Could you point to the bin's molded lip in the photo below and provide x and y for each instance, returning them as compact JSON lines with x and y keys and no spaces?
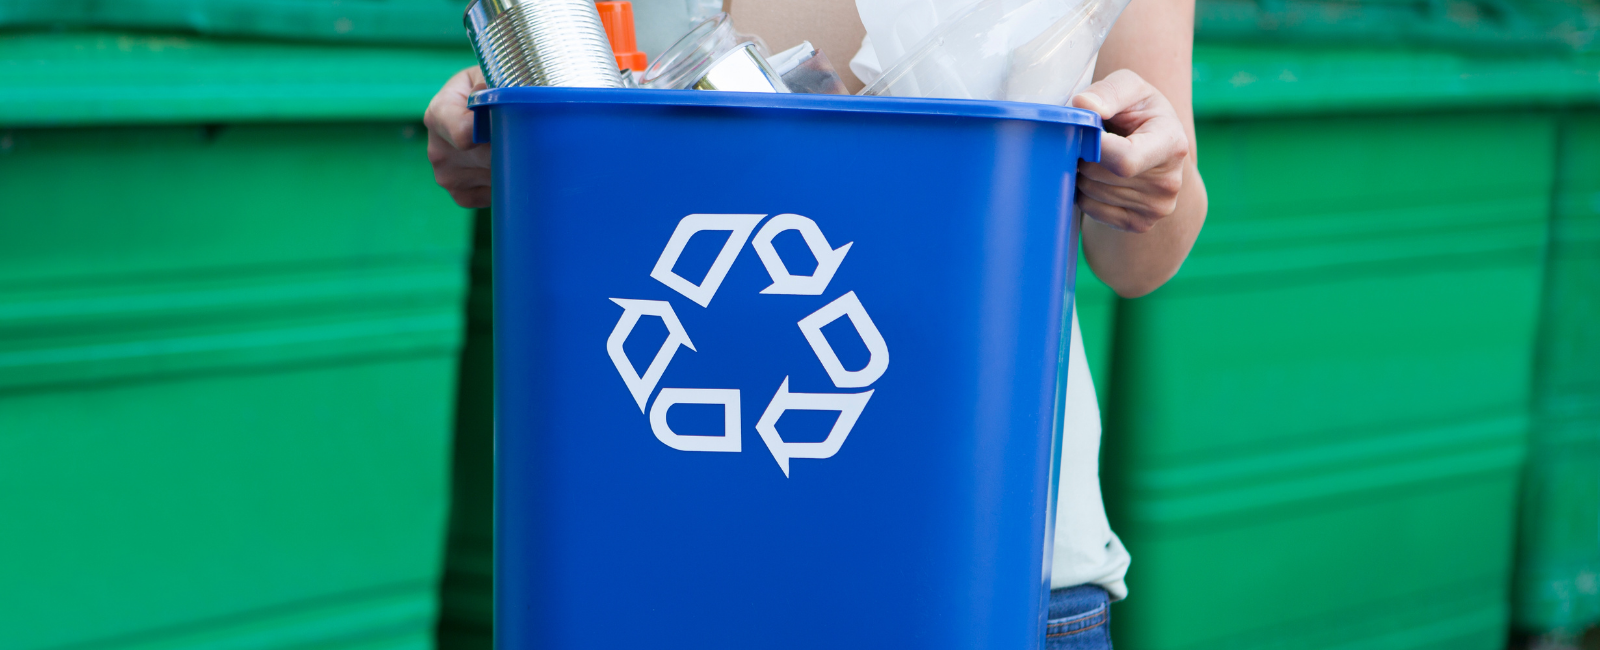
{"x":796,"y":101}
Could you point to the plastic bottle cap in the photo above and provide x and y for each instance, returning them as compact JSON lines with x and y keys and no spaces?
{"x":618,"y":19}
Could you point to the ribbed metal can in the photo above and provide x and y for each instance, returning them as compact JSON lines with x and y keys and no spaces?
{"x":541,"y":43}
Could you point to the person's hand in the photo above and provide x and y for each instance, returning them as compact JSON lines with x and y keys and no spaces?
{"x":1142,"y":154}
{"x":459,"y":166}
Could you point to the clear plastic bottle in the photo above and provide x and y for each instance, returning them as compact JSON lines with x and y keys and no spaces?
{"x":692,"y":56}
{"x":660,"y":23}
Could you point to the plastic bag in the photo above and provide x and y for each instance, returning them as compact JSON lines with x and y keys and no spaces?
{"x":1017,"y":50}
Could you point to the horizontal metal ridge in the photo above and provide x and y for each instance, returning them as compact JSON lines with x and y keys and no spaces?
{"x":288,"y":291}
{"x":351,"y":620}
{"x":1244,"y":80}
{"x":57,"y":78}
{"x":100,"y":329}
{"x":1467,"y":609}
{"x":1367,"y":238}
{"x":1250,"y":481}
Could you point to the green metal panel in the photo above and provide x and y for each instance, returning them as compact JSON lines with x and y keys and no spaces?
{"x":82,"y":78}
{"x":226,"y":361}
{"x":1558,"y":565}
{"x":436,"y":22}
{"x":1243,"y":80}
{"x":1316,"y":427}
{"x":1558,"y":25}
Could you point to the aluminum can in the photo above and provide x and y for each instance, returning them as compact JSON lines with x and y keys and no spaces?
{"x":541,"y":43}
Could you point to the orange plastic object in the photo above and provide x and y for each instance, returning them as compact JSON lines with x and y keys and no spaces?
{"x":618,"y":19}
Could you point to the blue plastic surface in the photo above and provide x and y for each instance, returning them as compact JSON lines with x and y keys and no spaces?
{"x":927,"y":526}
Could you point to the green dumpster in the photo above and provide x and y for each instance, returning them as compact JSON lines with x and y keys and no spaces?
{"x":405,"y":22}
{"x":1097,"y":316}
{"x":230,"y":310}
{"x":467,"y":591}
{"x":1316,"y":430}
{"x":1557,"y":584}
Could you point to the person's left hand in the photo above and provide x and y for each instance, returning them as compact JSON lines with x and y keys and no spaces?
{"x":459,"y":166}
{"x":1142,"y":154}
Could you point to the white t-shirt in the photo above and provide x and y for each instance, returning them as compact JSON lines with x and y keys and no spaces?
{"x":1086,"y":551}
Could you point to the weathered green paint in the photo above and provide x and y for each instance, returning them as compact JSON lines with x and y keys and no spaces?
{"x":96,"y":78}
{"x":226,"y":361}
{"x":1317,"y":426}
{"x":1558,"y":556}
{"x":1524,"y":25}
{"x":427,"y":22}
{"x":1243,"y":80}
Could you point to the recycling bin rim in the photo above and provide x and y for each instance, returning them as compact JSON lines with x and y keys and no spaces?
{"x":1045,"y":113}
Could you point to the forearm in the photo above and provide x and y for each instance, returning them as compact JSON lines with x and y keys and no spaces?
{"x":1152,"y":39}
{"x":1134,"y":264}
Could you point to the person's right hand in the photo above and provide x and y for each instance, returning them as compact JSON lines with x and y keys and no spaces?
{"x":1144,"y":154}
{"x":459,"y":166}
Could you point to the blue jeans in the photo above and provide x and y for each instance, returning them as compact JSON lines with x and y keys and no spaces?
{"x":1080,"y":619}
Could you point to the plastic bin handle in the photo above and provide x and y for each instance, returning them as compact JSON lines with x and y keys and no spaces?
{"x":480,"y":129}
{"x":1088,"y":147}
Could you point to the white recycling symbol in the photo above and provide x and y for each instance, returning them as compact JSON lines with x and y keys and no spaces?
{"x":738,"y":227}
{"x":849,"y":406}
{"x":828,"y":259}
{"x":641,"y":385}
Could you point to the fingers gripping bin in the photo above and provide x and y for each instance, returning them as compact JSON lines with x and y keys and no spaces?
{"x":794,"y":385}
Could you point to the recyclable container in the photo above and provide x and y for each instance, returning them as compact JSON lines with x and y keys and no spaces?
{"x":841,"y":438}
{"x":230,"y":309}
{"x":1557,"y":584}
{"x":467,"y":598}
{"x":1317,"y":427}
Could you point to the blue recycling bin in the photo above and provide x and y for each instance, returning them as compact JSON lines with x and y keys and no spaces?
{"x":777,"y":371}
